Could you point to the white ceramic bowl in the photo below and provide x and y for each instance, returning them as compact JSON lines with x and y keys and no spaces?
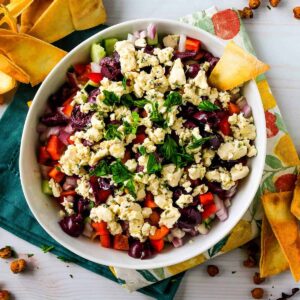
{"x":47,"y":213}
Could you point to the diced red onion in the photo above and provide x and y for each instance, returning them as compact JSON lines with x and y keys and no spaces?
{"x":69,"y":129}
{"x":64,"y":136}
{"x":71,"y":180}
{"x":231,"y":192}
{"x":69,"y":198}
{"x":131,"y":38}
{"x":53,"y":131}
{"x":41,"y":128}
{"x":181,"y":45}
{"x":177,"y":242}
{"x":67,"y":187}
{"x":241,"y":102}
{"x":247,"y":111}
{"x":221,"y":213}
{"x":227,"y":202}
{"x":136,"y":34}
{"x":143,"y":34}
{"x":151,"y":31}
{"x":95,"y":67}
{"x":44,"y":171}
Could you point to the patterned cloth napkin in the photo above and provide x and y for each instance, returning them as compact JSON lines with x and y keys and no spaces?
{"x":280,"y":166}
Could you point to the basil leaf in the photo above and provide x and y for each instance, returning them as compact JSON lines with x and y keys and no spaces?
{"x":110,"y":98}
{"x":102,"y":169}
{"x":199,"y":142}
{"x":120,"y":173}
{"x":206,"y":105}
{"x":112,"y":132}
{"x":124,"y":83}
{"x":153,"y":166}
{"x":173,"y":99}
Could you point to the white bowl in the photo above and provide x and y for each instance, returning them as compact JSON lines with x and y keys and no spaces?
{"x":47,"y":213}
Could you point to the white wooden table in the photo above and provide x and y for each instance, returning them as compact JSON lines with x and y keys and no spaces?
{"x":276,"y":37}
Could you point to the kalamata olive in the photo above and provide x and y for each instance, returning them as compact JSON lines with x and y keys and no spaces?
{"x":58,"y":98}
{"x":215,"y":141}
{"x":189,"y":124}
{"x":214,"y":187}
{"x":104,"y":183}
{"x":93,"y":95}
{"x":147,"y":251}
{"x":192,"y":70}
{"x":139,"y":168}
{"x":78,"y":119}
{"x":190,"y":217}
{"x":140,"y":250}
{"x":184,"y":55}
{"x":201,"y":116}
{"x":177,"y":192}
{"x":188,"y":110}
{"x":111,"y":68}
{"x":100,"y":194}
{"x":72,"y":225}
{"x":149,"y":49}
{"x":54,"y":119}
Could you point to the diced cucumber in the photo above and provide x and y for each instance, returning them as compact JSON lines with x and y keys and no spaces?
{"x":87,"y":220}
{"x":154,"y":41}
{"x":97,"y":53}
{"x":90,"y":85}
{"x":109,"y":45}
{"x":46,"y":189}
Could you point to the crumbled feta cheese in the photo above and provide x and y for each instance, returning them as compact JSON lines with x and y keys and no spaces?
{"x":131,"y":165}
{"x":149,"y":145}
{"x":232,"y":150}
{"x":146,"y":60}
{"x":55,"y":187}
{"x":164,"y":55}
{"x":102,"y":213}
{"x":84,"y":188}
{"x":80,"y":97}
{"x":126,"y":51}
{"x":68,"y":206}
{"x":114,"y":228}
{"x":184,"y":200}
{"x":156,"y":135}
{"x":171,"y":174}
{"x":224,"y":98}
{"x":117,"y":149}
{"x":242,"y":128}
{"x":200,"y":80}
{"x":163,"y":201}
{"x":202,"y":229}
{"x":207,"y":156}
{"x":178,"y":233}
{"x":190,"y":94}
{"x":199,"y":190}
{"x":177,"y":76}
{"x":141,"y":43}
{"x":146,"y":212}
{"x":238,"y":172}
{"x":197,"y":171}
{"x":171,"y":40}
{"x":169,"y":217}
{"x":222,"y":176}
{"x":252,"y":151}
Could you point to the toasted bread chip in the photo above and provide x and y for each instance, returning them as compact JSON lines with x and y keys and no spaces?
{"x":32,"y":13}
{"x":16,"y":7}
{"x":32,"y":55}
{"x":87,"y":13}
{"x":10,"y":68}
{"x":285,"y":227}
{"x":7,"y":83}
{"x":55,"y":23}
{"x":295,"y":207}
{"x":272,"y":259}
{"x":235,"y":67}
{"x":7,"y":19}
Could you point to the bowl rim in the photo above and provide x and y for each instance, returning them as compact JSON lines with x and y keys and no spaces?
{"x":140,"y":264}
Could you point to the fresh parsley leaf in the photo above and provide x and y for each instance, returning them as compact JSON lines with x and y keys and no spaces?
{"x":156,"y":116}
{"x":102,"y":169}
{"x":124,"y":83}
{"x":120,"y":173}
{"x":141,"y":103}
{"x":206,"y":105}
{"x":169,"y":148}
{"x":30,"y":255}
{"x":196,"y":143}
{"x":153,"y":166}
{"x":110,"y":98}
{"x":182,"y":159}
{"x":46,"y":248}
{"x":112,"y":132}
{"x":142,"y":150}
{"x":127,"y":100}
{"x":173,"y":99}
{"x":132,"y":128}
{"x":130,"y":186}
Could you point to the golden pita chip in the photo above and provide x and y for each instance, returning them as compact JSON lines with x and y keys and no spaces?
{"x":7,"y":19}
{"x":16,"y":7}
{"x":285,"y":227}
{"x":87,"y":13}
{"x":10,"y":68}
{"x":7,"y":83}
{"x":55,"y":23}
{"x":235,"y":67}
{"x":295,"y":207}
{"x":272,"y":259}
{"x":32,"y":55}
{"x":32,"y":13}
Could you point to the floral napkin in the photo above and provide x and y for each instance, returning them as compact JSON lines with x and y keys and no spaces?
{"x":280,"y":166}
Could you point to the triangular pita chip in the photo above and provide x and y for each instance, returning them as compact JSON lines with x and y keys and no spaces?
{"x":7,"y":83}
{"x":10,"y":68}
{"x":32,"y":55}
{"x":272,"y":259}
{"x":87,"y":13}
{"x":285,"y":227}
{"x":7,"y":19}
{"x":235,"y":67}
{"x":55,"y":23}
{"x":295,"y":207}
{"x":17,"y":6}
{"x":32,"y":13}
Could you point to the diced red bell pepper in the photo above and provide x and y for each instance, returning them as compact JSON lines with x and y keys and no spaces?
{"x":102,"y":195}
{"x":225,"y":126}
{"x":57,"y":175}
{"x":67,"y":107}
{"x":43,"y":156}
{"x":233,"y":108}
{"x":154,"y":218}
{"x":121,"y":242}
{"x":105,"y":241}
{"x":68,"y":193}
{"x":95,"y":77}
{"x":209,"y":210}
{"x":158,"y":245}
{"x":192,"y":44}
{"x":70,"y":142}
{"x":127,"y":156}
{"x":100,"y":227}
{"x":55,"y":147}
{"x":206,"y":199}
{"x":149,"y":201}
{"x":140,"y":137}
{"x":160,"y":233}
{"x":79,"y":69}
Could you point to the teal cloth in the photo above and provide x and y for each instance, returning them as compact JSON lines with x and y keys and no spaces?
{"x":15,"y":215}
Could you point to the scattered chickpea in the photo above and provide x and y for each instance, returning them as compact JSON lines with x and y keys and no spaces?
{"x":246,"y":13}
{"x":4,"y":295}
{"x":6,"y":252}
{"x":250,"y":262}
{"x":296,"y":12}
{"x":257,"y":279}
{"x":212,"y":270}
{"x":18,"y":265}
{"x":254,"y":4}
{"x":274,"y":3}
{"x":257,"y":293}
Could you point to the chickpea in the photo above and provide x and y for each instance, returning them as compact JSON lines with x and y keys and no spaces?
{"x":257,"y":293}
{"x":212,"y":270}
{"x":254,"y":4}
{"x":6,"y":252}
{"x":246,"y":13}
{"x":4,"y":295}
{"x":274,"y":3}
{"x":296,"y":11}
{"x":18,"y":266}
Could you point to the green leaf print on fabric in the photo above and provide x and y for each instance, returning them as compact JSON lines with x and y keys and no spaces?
{"x":217,"y":247}
{"x":160,"y":273}
{"x":273,"y":162}
{"x":268,"y":184}
{"x":147,"y":275}
{"x":279,"y":123}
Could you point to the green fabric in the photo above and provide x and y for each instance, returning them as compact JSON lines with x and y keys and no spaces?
{"x":15,"y":215}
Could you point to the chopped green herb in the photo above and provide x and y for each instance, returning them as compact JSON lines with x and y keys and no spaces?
{"x":127,"y":100}
{"x":156,"y":116}
{"x":173,"y":99}
{"x":182,"y":159}
{"x":130,"y":186}
{"x":110,"y":98}
{"x":142,"y":150}
{"x":169,"y":148}
{"x":102,"y":169}
{"x":124,"y":83}
{"x":199,"y":142}
{"x":46,"y":248}
{"x":206,"y":105}
{"x":120,"y":172}
{"x":112,"y":132}
{"x":30,"y":255}
{"x":132,"y":128}
{"x":153,"y":166}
